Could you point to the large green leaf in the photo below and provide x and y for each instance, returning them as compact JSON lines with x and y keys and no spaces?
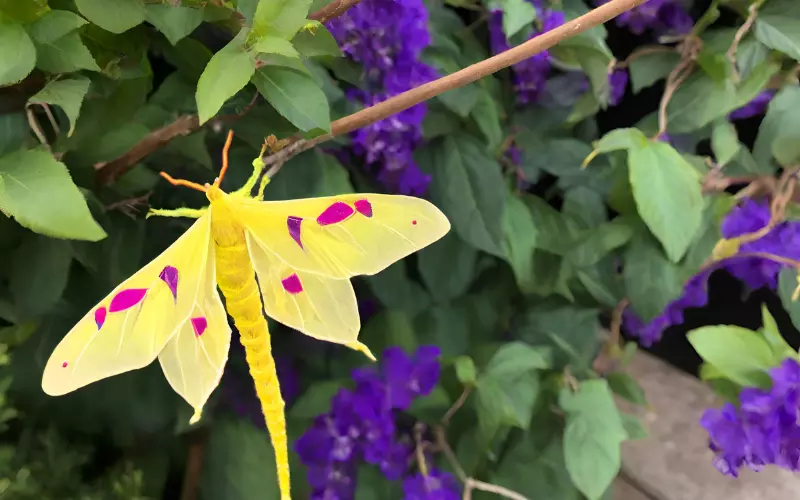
{"x":395,"y":290}
{"x":651,"y":280}
{"x":296,"y":96}
{"x":38,"y":192}
{"x":227,"y":73}
{"x":571,"y":332}
{"x":787,"y":283}
{"x":724,"y":141}
{"x":54,"y":25}
{"x":507,"y":397}
{"x":740,"y":354}
{"x":778,"y":26}
{"x":281,"y":18}
{"x":174,"y":21}
{"x":19,"y":54}
{"x":519,"y":229}
{"x":668,"y":195}
{"x":316,"y":41}
{"x":592,"y":437}
{"x":447,"y":267}
{"x":115,"y":16}
{"x":39,"y":274}
{"x":517,"y":14}
{"x":67,"y":93}
{"x":699,"y":101}
{"x":468,"y":185}
{"x":228,"y":468}
{"x":64,"y":55}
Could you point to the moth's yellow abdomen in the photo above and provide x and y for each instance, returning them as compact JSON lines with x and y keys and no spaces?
{"x":236,"y":280}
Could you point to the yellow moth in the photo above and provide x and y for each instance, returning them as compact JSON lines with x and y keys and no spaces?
{"x":303,"y":252}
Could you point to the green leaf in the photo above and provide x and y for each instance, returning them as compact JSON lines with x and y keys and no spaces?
{"x":116,"y":16}
{"x":699,"y":101}
{"x":227,"y":73}
{"x":651,"y":67}
{"x":778,"y":26}
{"x":724,"y":141}
{"x":633,"y":427}
{"x":487,"y":116}
{"x":506,"y":400}
{"x":14,"y":130}
{"x":54,"y":25}
{"x":447,"y":267}
{"x":281,"y":18}
{"x":390,"y":328}
{"x":626,"y":386}
{"x":316,"y":41}
{"x":668,"y":195}
{"x":571,"y":331}
{"x":468,"y":185}
{"x":621,"y":138}
{"x":396,"y":291}
{"x":593,"y":56}
{"x":465,"y":370}
{"x":316,"y":400}
{"x":651,"y":280}
{"x":592,"y":437}
{"x":35,"y":293}
{"x":780,"y":118}
{"x":519,"y":243}
{"x":447,"y":326}
{"x":516,"y":15}
{"x":514,"y":358}
{"x":599,"y":242}
{"x":296,"y":96}
{"x":555,"y":232}
{"x":31,"y":184}
{"x":786,"y":149}
{"x":275,"y":45}
{"x":742,"y":355}
{"x":174,"y":21}
{"x":19,"y":54}
{"x":462,"y":100}
{"x":228,"y":472}
{"x":787,"y":283}
{"x":780,"y":348}
{"x":64,"y":55}
{"x":67,"y":93}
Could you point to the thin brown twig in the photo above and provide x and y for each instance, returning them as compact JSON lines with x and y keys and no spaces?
{"x":752,"y":13}
{"x":51,"y":118}
{"x":128,"y":205}
{"x":333,"y":10}
{"x":417,"y":95}
{"x":37,"y":130}
{"x":194,"y":467}
{"x":689,"y":50}
{"x":457,"y":405}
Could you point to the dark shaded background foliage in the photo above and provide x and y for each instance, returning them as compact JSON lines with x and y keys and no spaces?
{"x":128,"y":437}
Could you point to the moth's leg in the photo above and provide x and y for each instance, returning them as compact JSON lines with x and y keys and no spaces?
{"x":258,"y":167}
{"x":264,"y":182}
{"x":191,"y":213}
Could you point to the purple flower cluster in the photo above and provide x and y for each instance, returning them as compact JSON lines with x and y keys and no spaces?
{"x":751,"y":264}
{"x":387,"y":37}
{"x":361,"y":425}
{"x":529,"y":76}
{"x":757,"y":106}
{"x":437,"y":485}
{"x":763,"y":430}
{"x":663,"y":17}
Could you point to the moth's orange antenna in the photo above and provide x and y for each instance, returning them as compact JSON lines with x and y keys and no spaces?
{"x":181,"y":182}
{"x":224,"y":158}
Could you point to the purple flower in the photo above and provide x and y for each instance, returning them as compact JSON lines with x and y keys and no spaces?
{"x":361,"y":423}
{"x":763,"y":430}
{"x":617,"y":82}
{"x":662,"y":16}
{"x":529,"y":76}
{"x":757,"y":106}
{"x":751,"y":264}
{"x":387,"y":37}
{"x":437,"y":485}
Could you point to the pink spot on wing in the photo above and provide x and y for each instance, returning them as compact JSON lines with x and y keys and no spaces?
{"x":364,"y":207}
{"x":337,"y":212}
{"x":169,"y":275}
{"x":126,"y":299}
{"x":199,"y":324}
{"x":100,"y":316}
{"x":292,"y":284}
{"x":414,"y":222}
{"x":293,"y":223}
{"x":64,"y":364}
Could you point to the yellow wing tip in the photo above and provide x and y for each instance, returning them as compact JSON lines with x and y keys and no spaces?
{"x":358,"y":346}
{"x":198,"y":413}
